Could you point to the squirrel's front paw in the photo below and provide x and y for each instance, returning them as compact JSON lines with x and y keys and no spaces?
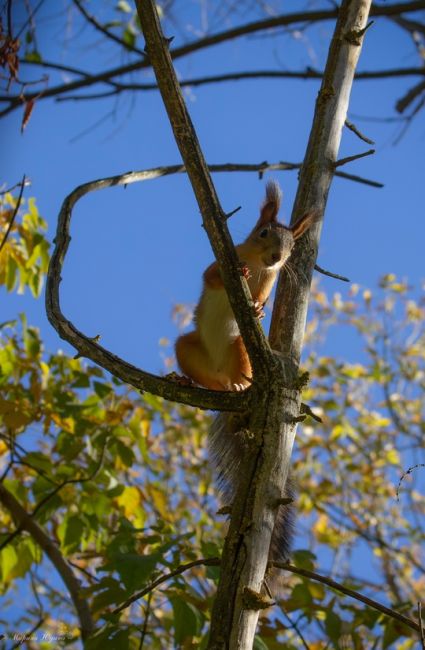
{"x":245,"y":272}
{"x":258,"y":310}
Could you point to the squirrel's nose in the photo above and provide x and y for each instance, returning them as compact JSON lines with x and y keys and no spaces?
{"x":275,"y":257}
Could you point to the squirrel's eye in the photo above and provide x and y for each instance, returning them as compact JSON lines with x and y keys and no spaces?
{"x":264,"y":232}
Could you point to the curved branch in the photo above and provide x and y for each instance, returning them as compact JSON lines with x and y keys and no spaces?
{"x":89,"y":347}
{"x":73,"y":585}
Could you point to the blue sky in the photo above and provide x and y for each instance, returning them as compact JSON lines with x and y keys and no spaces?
{"x":137,"y":252}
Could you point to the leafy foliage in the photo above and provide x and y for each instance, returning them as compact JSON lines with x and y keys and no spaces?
{"x":25,"y":255}
{"x":120,"y":481}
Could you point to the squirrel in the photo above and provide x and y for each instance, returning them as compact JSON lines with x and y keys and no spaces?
{"x":214,"y":355}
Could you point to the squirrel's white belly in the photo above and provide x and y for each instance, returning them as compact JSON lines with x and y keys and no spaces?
{"x":217,"y":326}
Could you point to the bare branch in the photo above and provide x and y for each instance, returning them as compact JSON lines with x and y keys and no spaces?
{"x":348,"y":159}
{"x":409,"y":97}
{"x":309,"y":73}
{"x":92,"y":20}
{"x":358,"y":133}
{"x":14,"y":213}
{"x":358,"y":179}
{"x":305,"y":573}
{"x":24,"y":520}
{"x":331,"y":275}
{"x":311,"y":575}
{"x":89,"y":348}
{"x":214,"y":561}
{"x":208,"y":41}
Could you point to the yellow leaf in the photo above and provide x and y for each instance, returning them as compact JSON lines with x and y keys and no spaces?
{"x":392,"y":457}
{"x":160,"y":502}
{"x":129,"y":500}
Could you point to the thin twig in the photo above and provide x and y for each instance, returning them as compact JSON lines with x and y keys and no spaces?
{"x":409,"y":97}
{"x":348,"y":159}
{"x":331,"y":275}
{"x":155,"y":583}
{"x":145,"y":622}
{"x":311,"y":575}
{"x":403,"y":476}
{"x":215,"y":39}
{"x":10,"y":189}
{"x":92,"y":20}
{"x":15,"y":212}
{"x":308,"y":74}
{"x":28,"y":634}
{"x":296,"y":628}
{"x":358,"y":179}
{"x":358,"y":133}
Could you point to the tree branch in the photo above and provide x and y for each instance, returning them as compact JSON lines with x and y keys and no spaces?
{"x":331,"y":275}
{"x":92,"y":20}
{"x":208,"y":41}
{"x":52,"y":551}
{"x":309,"y":73}
{"x":14,"y":213}
{"x":213,"y":216}
{"x":311,"y":575}
{"x":305,"y":573}
{"x":89,"y":348}
{"x":167,"y":576}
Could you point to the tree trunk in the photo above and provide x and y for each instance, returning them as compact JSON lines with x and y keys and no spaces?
{"x":266,"y":469}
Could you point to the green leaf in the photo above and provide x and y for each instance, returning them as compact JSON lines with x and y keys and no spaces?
{"x":111,"y":594}
{"x":259,"y":644}
{"x":38,"y":460}
{"x":187,"y":620}
{"x":32,"y":342}
{"x":8,"y":560}
{"x":393,"y":631}
{"x":333,"y":626}
{"x":134,"y":570}
{"x":304,"y":559}
{"x":11,"y":273}
{"x":73,"y":533}
{"x":103,"y":390}
{"x":129,"y":38}
{"x":33,"y":56}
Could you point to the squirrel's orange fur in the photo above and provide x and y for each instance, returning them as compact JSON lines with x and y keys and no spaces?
{"x":214,"y":355}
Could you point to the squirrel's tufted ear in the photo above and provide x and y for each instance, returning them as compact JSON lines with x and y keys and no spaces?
{"x":303,"y":224}
{"x":271,"y":204}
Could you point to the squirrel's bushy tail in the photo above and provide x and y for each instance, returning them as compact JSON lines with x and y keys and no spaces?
{"x":227,"y":446}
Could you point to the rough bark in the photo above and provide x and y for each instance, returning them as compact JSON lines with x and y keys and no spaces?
{"x":246,"y":549}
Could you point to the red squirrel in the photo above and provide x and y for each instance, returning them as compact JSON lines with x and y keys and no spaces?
{"x":214,"y":355}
